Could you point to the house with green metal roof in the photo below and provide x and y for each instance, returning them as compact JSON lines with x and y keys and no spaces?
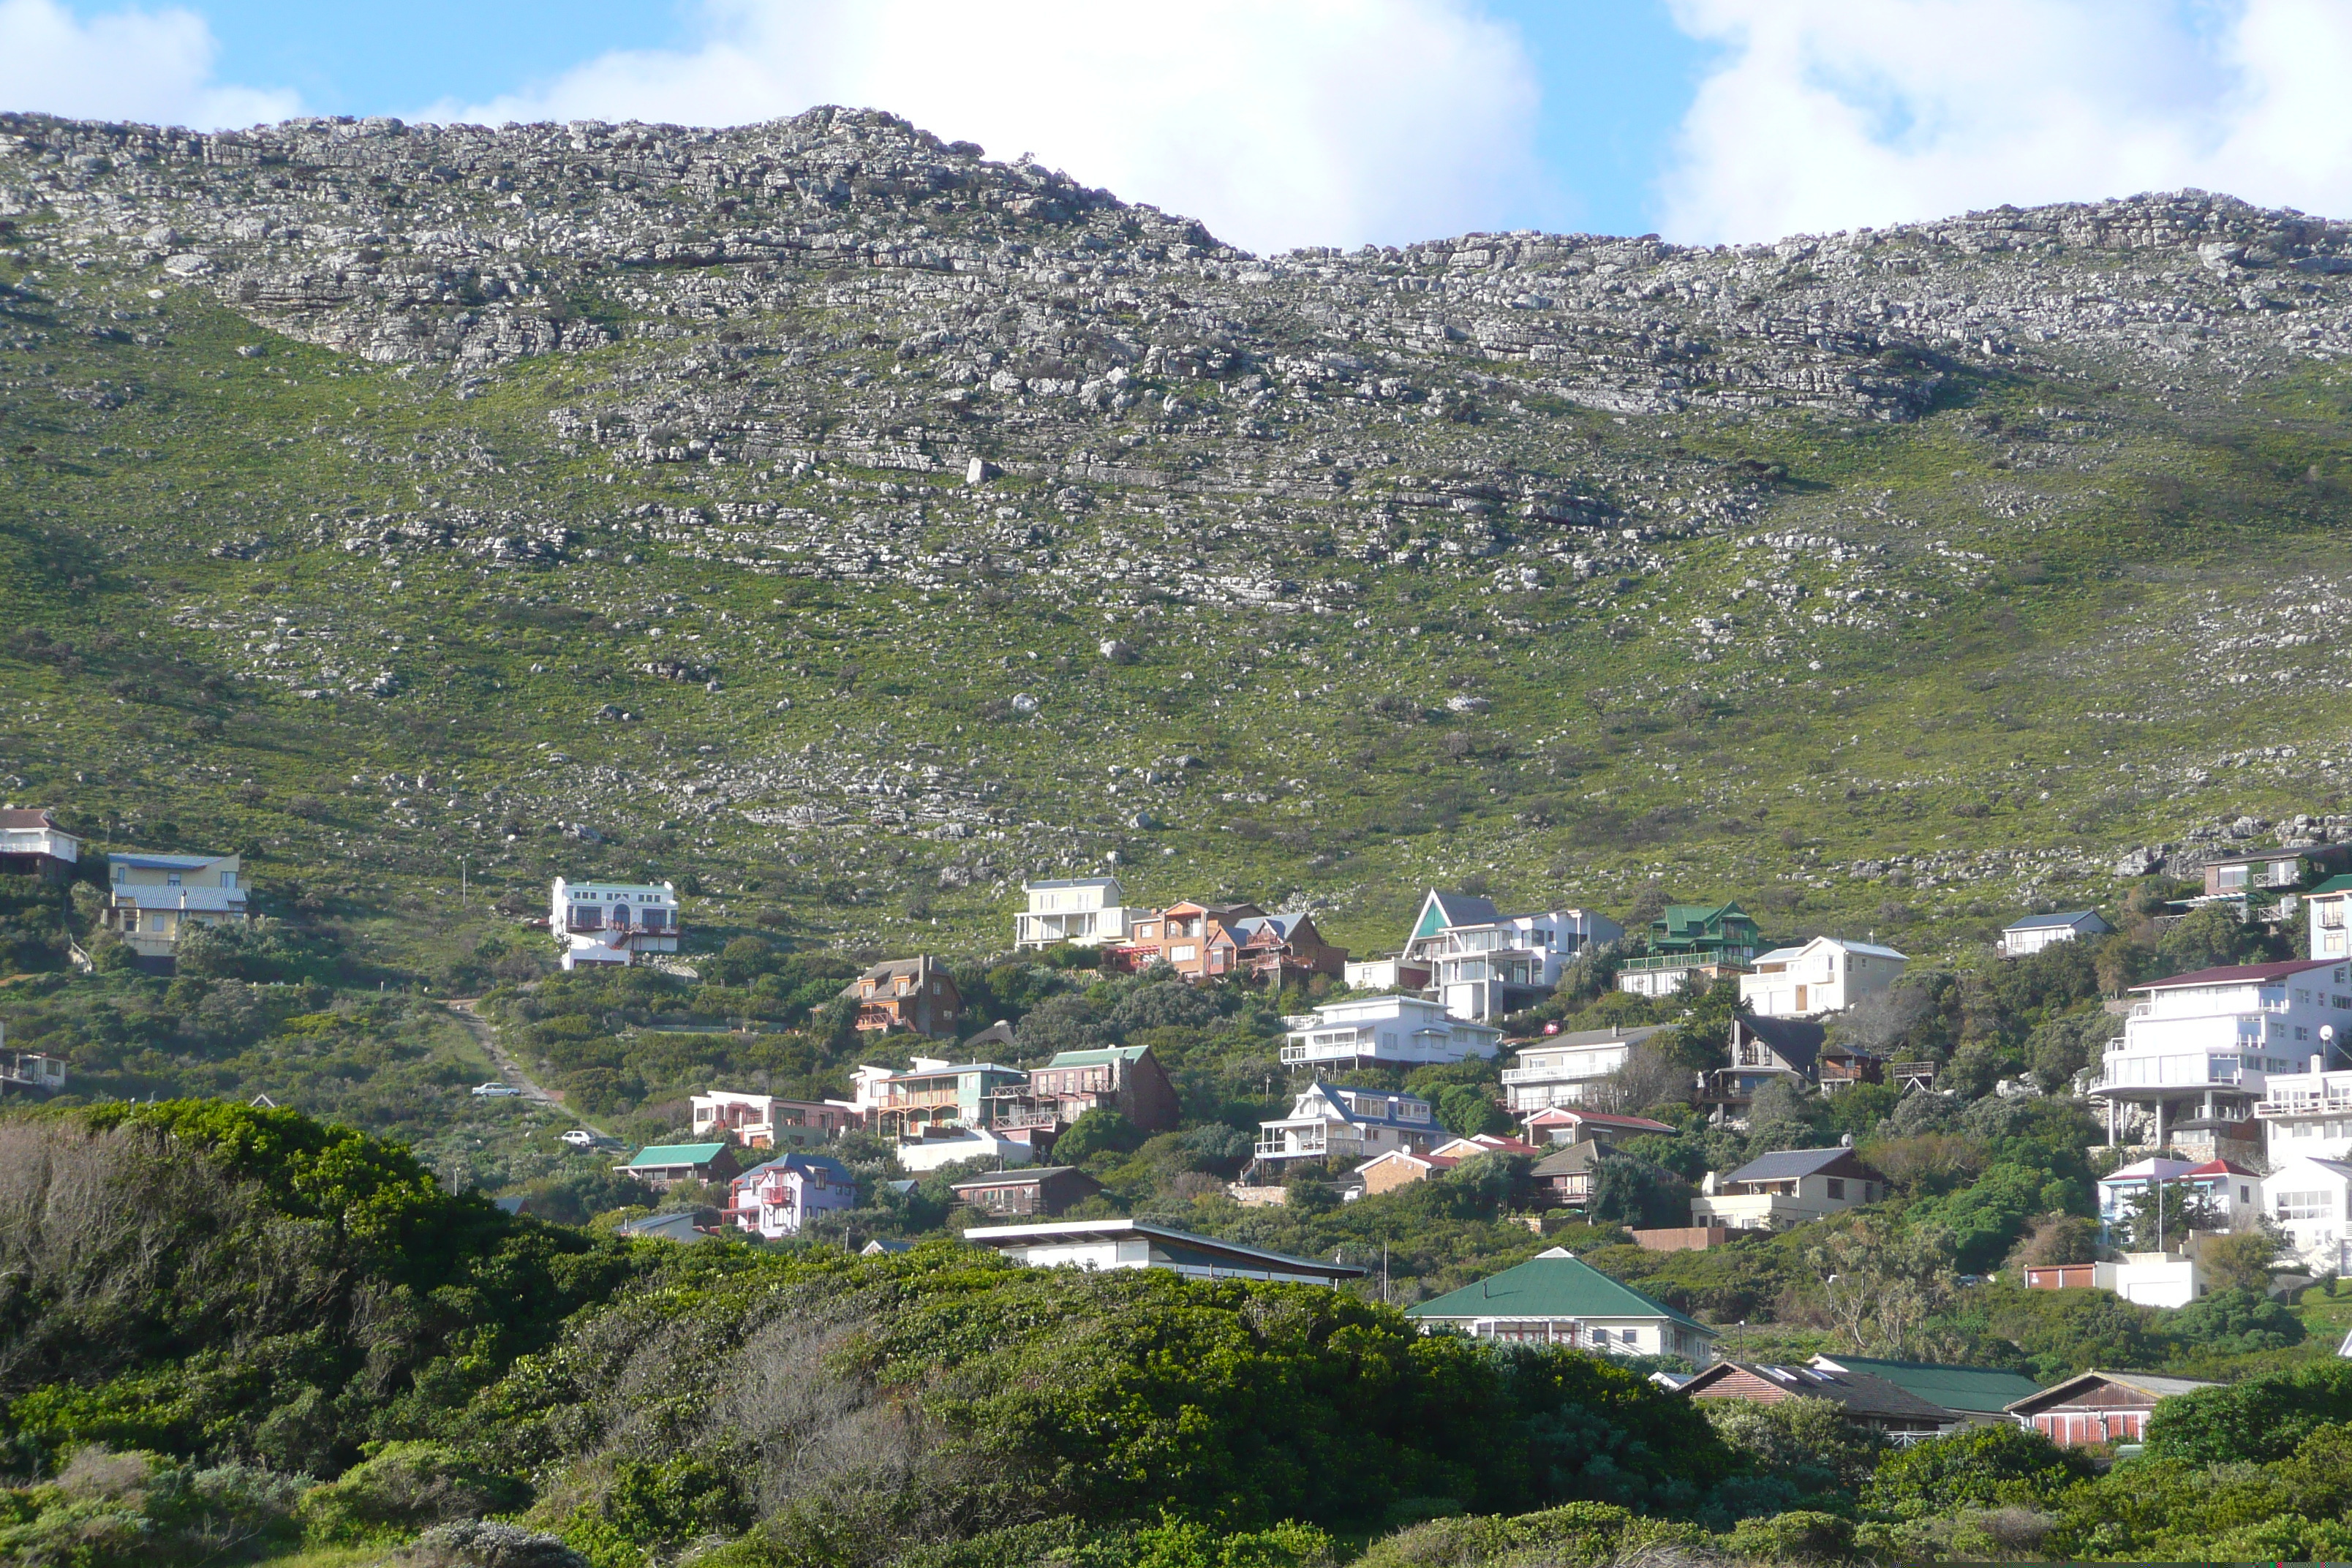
{"x":1554,"y":1298}
{"x":1976,"y":1393}
{"x":1692,"y":941}
{"x":660,"y":1164}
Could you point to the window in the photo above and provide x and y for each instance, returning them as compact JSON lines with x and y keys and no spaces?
{"x":2331,"y":915}
{"x":1837,"y":1186}
{"x":2284,"y":873}
{"x":2305,"y":1205}
{"x":172,"y":880}
{"x":2228,"y":877}
{"x":229,"y":878}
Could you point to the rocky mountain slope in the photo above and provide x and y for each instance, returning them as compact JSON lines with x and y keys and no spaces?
{"x":862,"y":525}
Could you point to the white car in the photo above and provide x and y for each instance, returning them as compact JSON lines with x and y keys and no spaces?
{"x":580,"y":1138}
{"x":495,"y":1091}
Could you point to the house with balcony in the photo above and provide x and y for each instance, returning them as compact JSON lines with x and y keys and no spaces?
{"x":1762,"y":1050}
{"x":1284,"y":949}
{"x":613,"y":922}
{"x":1561,"y":1069}
{"x":1554,"y":1298}
{"x":1814,"y":979}
{"x":2215,"y":1195}
{"x":1692,"y":944}
{"x":1195,"y":940}
{"x":1384,"y":1031}
{"x":2268,"y":885}
{"x":2308,"y":1115}
{"x":2199,"y":1051}
{"x":1125,"y":1078}
{"x":30,"y":1072}
{"x":33,"y":845}
{"x":1047,"y":1190}
{"x":1484,"y":965}
{"x":782,"y":1196}
{"x":1575,"y":1123}
{"x":1089,"y":912}
{"x":766,"y":1122}
{"x":2024,"y":937}
{"x":663,"y":1165}
{"x":917,"y":994}
{"x":155,"y":899}
{"x":2324,"y":905}
{"x":1776,"y":1191}
{"x":1349,"y":1122}
{"x":932,"y":1095}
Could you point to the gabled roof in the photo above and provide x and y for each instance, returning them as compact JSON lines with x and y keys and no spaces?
{"x":1441,"y":911}
{"x":2240,"y":974}
{"x":1618,"y":1037}
{"x":1976,"y":1390}
{"x":911,"y":968}
{"x":2337,"y":884}
{"x":1570,"y":1116}
{"x":677,"y":1154}
{"x":142,"y":860}
{"x":802,"y":1163}
{"x":1553,"y":1284}
{"x":2141,"y":1382}
{"x":1180,"y":1247}
{"x":1329,"y":1094}
{"x":1868,"y":949}
{"x":1788,"y":1164}
{"x":2052,"y":921}
{"x":1575,"y":1158}
{"x":1861,"y":1393}
{"x":1797,"y":1041}
{"x":1022,"y":1177}
{"x":1483,"y":1144}
{"x":22,"y":817}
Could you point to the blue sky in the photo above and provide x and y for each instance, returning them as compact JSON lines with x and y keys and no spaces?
{"x":1287,"y":122}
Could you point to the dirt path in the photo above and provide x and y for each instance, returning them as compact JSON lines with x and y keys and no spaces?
{"x":510,"y":1070}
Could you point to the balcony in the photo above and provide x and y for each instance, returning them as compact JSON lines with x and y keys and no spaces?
{"x":1562,"y":1074}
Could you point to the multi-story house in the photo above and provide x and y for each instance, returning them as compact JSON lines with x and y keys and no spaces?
{"x":1125,"y":1078}
{"x":780,"y":1197}
{"x":1344,"y":1121}
{"x":1048,"y":1190}
{"x":1484,"y":964}
{"x":2308,"y":1116}
{"x":1776,"y":1191}
{"x":1692,"y":943}
{"x":155,"y":899}
{"x":1094,"y":1245}
{"x":1285,"y":949}
{"x":1390,"y":974}
{"x":1561,"y":1069}
{"x":764,"y":1121}
{"x":1195,"y":940}
{"x":2309,"y":1199}
{"x":915,"y":993}
{"x":2199,"y":1051}
{"x":2030,"y":935}
{"x":33,"y":845}
{"x":613,"y":922}
{"x":1763,"y":1049}
{"x":2268,"y":884}
{"x":2215,"y":1195}
{"x":1827,"y":975}
{"x":1089,"y":912}
{"x":934,"y":1094}
{"x":2331,"y":934}
{"x":1399,"y":1031}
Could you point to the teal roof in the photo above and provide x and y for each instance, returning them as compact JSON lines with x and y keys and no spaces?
{"x":1553,"y":1285}
{"x":1096,"y":1058}
{"x":2333,"y":885}
{"x":1976,"y":1390}
{"x":677,"y":1154}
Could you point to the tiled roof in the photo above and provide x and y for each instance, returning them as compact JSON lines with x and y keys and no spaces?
{"x":1551,"y":1284}
{"x":2240,"y":974}
{"x":19,"y":817}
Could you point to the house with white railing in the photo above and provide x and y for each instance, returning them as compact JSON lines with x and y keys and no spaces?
{"x":1086,"y":910}
{"x":2198,"y":1051}
{"x":613,"y":922}
{"x":2308,"y":1116}
{"x":1342,"y":1121}
{"x":1484,"y":964}
{"x":1384,"y":1031}
{"x":31,"y":843}
{"x":155,"y":900}
{"x":2310,"y":1201}
{"x":1559,"y":1069}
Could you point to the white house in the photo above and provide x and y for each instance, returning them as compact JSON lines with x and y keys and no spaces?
{"x":1097,"y":1244}
{"x":155,"y":899}
{"x":1484,"y":964}
{"x":1342,"y":1121}
{"x":31,"y":842}
{"x":1553,"y":1299}
{"x":766,"y":1122}
{"x":2198,"y":1050}
{"x":613,"y":922}
{"x":2225,"y":1196}
{"x":951,"y":1146}
{"x":1562,"y":1067}
{"x":1827,"y":975}
{"x":1086,"y":910}
{"x":1401,"y":1031}
{"x":2310,"y":1200}
{"x":2331,"y":936}
{"x":780,"y":1198}
{"x":1775,"y":1191}
{"x":2035,"y":932}
{"x":2308,"y":1115}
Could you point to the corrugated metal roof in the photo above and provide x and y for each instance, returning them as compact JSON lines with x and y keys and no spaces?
{"x":1789,"y":1163}
{"x":1553,"y":1284}
{"x":2240,"y":974}
{"x":2044,"y":923}
{"x":677,"y":1154}
{"x":1978,"y":1390}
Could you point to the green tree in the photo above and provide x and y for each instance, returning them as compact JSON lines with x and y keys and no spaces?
{"x":1102,"y":1131}
{"x":1983,"y":1467}
{"x":1466,"y":1109}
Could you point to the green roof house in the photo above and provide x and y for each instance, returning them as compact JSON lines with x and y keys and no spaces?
{"x":1975,"y":1394}
{"x":659,"y":1165}
{"x":1701,"y":943}
{"x":1554,"y":1300}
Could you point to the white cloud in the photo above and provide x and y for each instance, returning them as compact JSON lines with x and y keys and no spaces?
{"x":1829,"y":114}
{"x":1305,"y":122}
{"x":155,"y":67}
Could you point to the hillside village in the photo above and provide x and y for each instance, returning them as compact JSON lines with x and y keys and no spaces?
{"x":1641,"y":1087}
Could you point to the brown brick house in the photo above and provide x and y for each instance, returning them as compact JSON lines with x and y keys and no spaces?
{"x":1125,"y":1078}
{"x":1280,"y":948}
{"x":1031,"y":1190}
{"x":1195,"y":940}
{"x":916,"y":994}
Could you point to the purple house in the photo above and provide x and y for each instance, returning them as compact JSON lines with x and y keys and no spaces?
{"x":782,"y":1198}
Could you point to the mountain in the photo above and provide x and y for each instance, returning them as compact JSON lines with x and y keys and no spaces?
{"x":859,"y":525}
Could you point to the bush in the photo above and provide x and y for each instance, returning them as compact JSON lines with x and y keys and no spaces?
{"x":1986,"y":1467}
{"x":405,"y":1487}
{"x":1802,"y":1535}
{"x":2261,"y":1420}
{"x":1098,"y":1132}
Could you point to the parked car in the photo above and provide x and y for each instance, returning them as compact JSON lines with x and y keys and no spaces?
{"x":495,"y":1090}
{"x":580,"y":1138}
